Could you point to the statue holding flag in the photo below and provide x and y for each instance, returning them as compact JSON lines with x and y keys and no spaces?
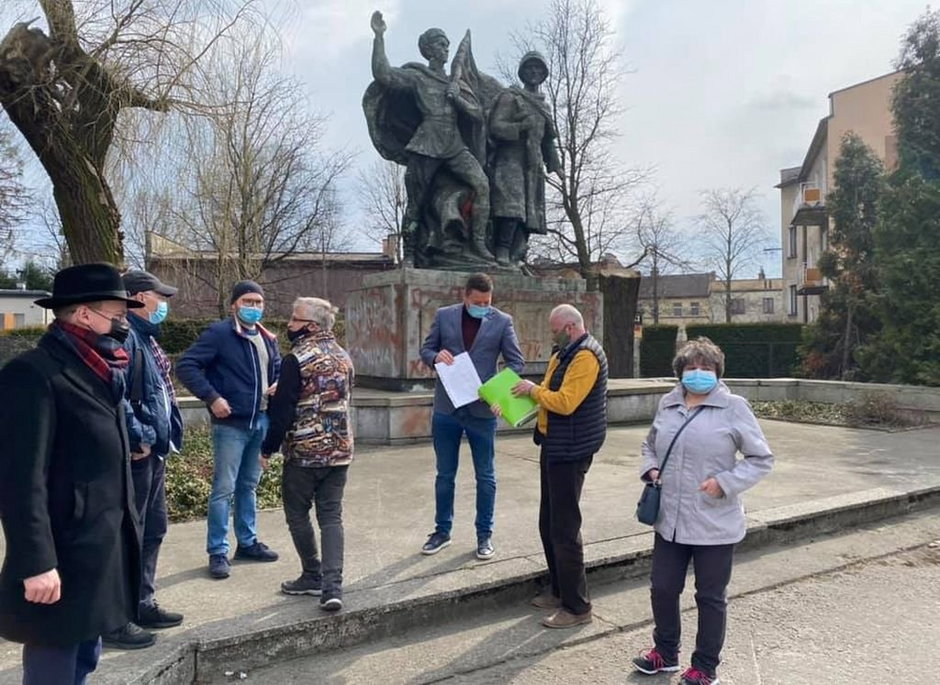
{"x":435,"y":125}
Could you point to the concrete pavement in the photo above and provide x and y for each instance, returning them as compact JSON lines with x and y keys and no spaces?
{"x":825,"y":478}
{"x":845,"y":608}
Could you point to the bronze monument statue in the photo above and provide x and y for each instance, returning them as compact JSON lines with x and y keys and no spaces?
{"x":463,"y":138}
{"x":523,"y":135}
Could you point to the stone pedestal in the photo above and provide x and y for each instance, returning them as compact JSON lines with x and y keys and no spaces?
{"x":388,"y":319}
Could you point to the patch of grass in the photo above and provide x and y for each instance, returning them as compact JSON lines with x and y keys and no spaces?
{"x":189,"y":478}
{"x":798,"y":410}
{"x":871,"y":410}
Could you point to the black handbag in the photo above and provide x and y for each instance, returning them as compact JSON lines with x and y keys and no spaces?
{"x":647,"y":509}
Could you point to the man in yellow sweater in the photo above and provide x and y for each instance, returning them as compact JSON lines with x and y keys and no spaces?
{"x":572,"y":425}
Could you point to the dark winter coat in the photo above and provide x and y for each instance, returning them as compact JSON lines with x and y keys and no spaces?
{"x":66,"y":499}
{"x":223,"y":362}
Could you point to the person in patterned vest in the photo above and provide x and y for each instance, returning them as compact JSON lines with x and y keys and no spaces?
{"x":309,"y":417}
{"x":571,"y":427}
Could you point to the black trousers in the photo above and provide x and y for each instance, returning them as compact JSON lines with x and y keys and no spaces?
{"x":320,"y":487}
{"x":712,"y":565}
{"x":149,"y":475}
{"x":560,"y":529}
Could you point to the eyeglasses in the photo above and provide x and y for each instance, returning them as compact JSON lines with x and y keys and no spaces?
{"x":120,"y":316}
{"x":294,"y":318}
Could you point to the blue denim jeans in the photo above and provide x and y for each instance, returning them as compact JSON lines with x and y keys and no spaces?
{"x":447,"y":431}
{"x":237,"y":472}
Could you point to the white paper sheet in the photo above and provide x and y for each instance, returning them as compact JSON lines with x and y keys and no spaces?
{"x":460,"y":379}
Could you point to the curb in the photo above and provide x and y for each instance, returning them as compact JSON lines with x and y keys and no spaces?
{"x":234,"y":645}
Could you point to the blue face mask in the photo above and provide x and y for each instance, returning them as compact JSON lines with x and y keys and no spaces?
{"x":699,"y":381}
{"x":250,"y":315}
{"x":159,"y":314}
{"x":476,"y":311}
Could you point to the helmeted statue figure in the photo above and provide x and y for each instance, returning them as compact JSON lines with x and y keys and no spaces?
{"x":522,"y":135}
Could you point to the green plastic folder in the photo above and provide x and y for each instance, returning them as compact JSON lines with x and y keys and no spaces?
{"x":516,"y":410}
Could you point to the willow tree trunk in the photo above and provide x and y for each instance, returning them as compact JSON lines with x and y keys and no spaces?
{"x":90,"y":218}
{"x":66,"y":104}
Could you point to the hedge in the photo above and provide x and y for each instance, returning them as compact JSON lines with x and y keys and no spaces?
{"x":657,"y":349}
{"x":189,"y":478}
{"x":754,"y":350}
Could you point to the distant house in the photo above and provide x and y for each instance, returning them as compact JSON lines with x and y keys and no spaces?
{"x":330,"y":275}
{"x":864,"y":109}
{"x":679,"y":298}
{"x":685,"y":299}
{"x":18,"y":311}
{"x":753,"y":300}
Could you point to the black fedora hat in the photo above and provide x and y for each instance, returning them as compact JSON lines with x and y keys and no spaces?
{"x":87,"y":283}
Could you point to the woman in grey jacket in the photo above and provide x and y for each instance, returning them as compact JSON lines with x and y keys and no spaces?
{"x":701,"y":516}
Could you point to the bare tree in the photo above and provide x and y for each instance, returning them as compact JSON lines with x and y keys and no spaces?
{"x":662,"y":244}
{"x":65,"y":89}
{"x":14,"y":196}
{"x":733,"y":233}
{"x":255,"y":186}
{"x":383,"y":198}
{"x":589,"y":211}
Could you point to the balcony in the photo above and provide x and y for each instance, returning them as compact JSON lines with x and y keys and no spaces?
{"x":809,"y":208}
{"x":811,"y":282}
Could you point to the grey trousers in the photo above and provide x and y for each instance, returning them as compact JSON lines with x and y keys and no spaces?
{"x":320,"y":488}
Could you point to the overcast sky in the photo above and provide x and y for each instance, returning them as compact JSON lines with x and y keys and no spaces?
{"x":719,"y":93}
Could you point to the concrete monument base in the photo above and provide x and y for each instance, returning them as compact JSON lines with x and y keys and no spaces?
{"x":388,"y":319}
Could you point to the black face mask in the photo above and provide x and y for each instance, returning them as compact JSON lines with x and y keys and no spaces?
{"x":119,"y":331}
{"x":296,"y":335}
{"x":120,"y":328}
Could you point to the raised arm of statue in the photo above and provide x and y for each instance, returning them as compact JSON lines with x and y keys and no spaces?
{"x":382,"y":72}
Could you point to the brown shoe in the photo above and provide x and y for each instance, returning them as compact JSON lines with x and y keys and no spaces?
{"x":546,"y":600}
{"x":565,"y":619}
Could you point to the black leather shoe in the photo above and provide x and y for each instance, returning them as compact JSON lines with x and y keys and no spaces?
{"x":155,"y":616}
{"x":130,"y":636}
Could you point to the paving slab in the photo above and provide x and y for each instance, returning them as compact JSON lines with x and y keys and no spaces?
{"x":389,"y":511}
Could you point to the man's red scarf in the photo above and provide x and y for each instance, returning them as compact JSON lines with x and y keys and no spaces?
{"x":87,"y":344}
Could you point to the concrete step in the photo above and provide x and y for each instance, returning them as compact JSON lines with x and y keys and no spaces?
{"x":508,"y":635}
{"x":250,"y":642}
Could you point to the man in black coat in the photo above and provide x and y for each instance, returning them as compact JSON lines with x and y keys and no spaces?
{"x":72,"y":565}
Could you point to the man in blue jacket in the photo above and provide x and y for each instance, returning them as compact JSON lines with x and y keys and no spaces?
{"x":474,"y":326}
{"x":153,"y":409}
{"x":233,"y":367}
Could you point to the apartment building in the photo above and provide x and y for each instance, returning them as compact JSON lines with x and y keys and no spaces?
{"x":865,"y":109}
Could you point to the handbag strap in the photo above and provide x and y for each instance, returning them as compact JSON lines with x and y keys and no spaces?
{"x":676,"y":437}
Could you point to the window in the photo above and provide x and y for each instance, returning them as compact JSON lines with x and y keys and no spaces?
{"x":677,"y":309}
{"x":693,"y":308}
{"x":791,"y":244}
{"x":792,"y":300}
{"x":737,"y":305}
{"x":19,"y":320}
{"x":768,"y":305}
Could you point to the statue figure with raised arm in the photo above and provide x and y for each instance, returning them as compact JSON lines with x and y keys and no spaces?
{"x":434,"y":124}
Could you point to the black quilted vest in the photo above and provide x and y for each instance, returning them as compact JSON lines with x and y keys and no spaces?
{"x":580,"y":435}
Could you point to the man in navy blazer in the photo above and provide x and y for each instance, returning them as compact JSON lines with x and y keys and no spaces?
{"x":474,"y":326}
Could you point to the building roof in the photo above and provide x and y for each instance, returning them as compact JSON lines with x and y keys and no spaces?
{"x":867,"y":81}
{"x":789,"y":176}
{"x":740,"y":285}
{"x":16,"y":292}
{"x":819,"y":141}
{"x":677,"y":285}
{"x":822,"y":131}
